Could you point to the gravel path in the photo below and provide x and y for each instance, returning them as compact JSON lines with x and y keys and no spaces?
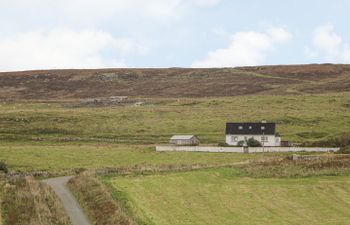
{"x":72,"y":207}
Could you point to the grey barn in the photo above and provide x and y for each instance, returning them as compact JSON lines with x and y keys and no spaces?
{"x":184,"y":140}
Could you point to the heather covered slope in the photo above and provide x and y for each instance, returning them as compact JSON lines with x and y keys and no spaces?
{"x":174,"y":82}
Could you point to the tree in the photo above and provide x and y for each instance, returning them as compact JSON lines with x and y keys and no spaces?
{"x":251,"y":142}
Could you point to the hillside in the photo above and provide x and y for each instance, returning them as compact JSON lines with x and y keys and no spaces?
{"x":174,"y":82}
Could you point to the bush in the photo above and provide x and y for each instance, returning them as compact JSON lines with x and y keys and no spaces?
{"x":3,"y":167}
{"x":240,"y":143}
{"x":253,"y":143}
{"x":223,"y":144}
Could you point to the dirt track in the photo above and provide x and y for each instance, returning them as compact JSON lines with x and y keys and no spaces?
{"x":72,"y":207}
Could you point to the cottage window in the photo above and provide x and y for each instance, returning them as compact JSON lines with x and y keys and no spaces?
{"x":262,"y":128}
{"x":250,"y":127}
{"x":264,"y":139}
{"x":240,"y":127}
{"x":234,"y":138}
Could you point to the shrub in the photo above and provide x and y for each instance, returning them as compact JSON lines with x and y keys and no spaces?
{"x":223,"y":144}
{"x":240,"y":143}
{"x":3,"y":167}
{"x":251,"y":142}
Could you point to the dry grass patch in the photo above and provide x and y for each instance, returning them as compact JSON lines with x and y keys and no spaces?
{"x":97,"y":201}
{"x":285,"y":167}
{"x":29,"y":202}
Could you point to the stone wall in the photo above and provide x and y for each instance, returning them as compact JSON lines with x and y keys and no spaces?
{"x":170,"y":148}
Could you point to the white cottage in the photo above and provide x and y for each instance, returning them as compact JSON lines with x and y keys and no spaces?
{"x":263,"y":132}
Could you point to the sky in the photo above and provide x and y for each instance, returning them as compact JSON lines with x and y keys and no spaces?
{"x":59,"y":34}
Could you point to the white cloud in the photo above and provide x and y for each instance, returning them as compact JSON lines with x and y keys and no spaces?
{"x":325,"y":42}
{"x":246,"y":48}
{"x":325,"y":39}
{"x":94,"y":11}
{"x":345,"y":55}
{"x":61,"y":48}
{"x":328,"y":46}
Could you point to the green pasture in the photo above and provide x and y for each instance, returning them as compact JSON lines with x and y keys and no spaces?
{"x":224,"y":196}
{"x":68,"y":157}
{"x":298,"y":118}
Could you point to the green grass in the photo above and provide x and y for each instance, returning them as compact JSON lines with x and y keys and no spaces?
{"x":60,"y":157}
{"x":51,"y":136}
{"x":224,"y":196}
{"x":299,"y":118}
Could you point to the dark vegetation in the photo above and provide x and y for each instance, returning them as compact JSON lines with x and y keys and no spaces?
{"x":3,"y":167}
{"x":343,"y":141}
{"x":251,"y":142}
{"x":174,"y":82}
{"x":332,"y":165}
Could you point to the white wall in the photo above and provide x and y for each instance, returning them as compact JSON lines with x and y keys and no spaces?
{"x":198,"y":149}
{"x":271,"y":139}
{"x":292,"y":149}
{"x":241,"y":149}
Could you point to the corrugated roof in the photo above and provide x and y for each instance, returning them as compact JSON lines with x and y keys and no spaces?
{"x":182,"y":137}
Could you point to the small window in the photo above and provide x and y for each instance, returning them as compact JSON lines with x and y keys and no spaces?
{"x":262,"y":128}
{"x":234,"y":138}
{"x":240,"y":128}
{"x":264,"y":139}
{"x":250,"y":127}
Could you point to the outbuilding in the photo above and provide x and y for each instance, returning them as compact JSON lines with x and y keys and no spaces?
{"x":184,"y":140}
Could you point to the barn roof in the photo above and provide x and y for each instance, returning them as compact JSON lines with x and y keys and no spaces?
{"x":251,"y":128}
{"x":182,"y":137}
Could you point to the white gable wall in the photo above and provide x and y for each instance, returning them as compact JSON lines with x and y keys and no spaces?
{"x":270,"y":140}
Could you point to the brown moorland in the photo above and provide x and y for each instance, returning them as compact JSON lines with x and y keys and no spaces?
{"x":174,"y":82}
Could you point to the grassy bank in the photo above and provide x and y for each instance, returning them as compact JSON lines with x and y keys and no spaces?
{"x":97,"y":201}
{"x":27,"y":202}
{"x":228,"y":196}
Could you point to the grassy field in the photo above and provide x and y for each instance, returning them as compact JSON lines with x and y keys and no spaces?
{"x":224,"y":196}
{"x":52,"y":136}
{"x":298,"y":118}
{"x":60,"y":157}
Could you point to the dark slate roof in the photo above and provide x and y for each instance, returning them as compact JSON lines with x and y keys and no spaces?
{"x":251,"y":128}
